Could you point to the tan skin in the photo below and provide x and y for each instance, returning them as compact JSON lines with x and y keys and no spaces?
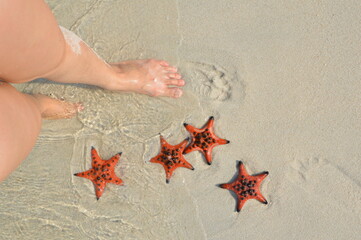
{"x":32,"y":46}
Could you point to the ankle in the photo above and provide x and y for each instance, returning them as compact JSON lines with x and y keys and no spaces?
{"x":113,"y":80}
{"x":51,"y":108}
{"x":40,"y":101}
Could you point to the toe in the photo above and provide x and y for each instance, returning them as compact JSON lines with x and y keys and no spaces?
{"x":174,"y":76}
{"x":164,"y":63}
{"x":171,"y":69}
{"x":175,"y":82}
{"x":173,"y":92}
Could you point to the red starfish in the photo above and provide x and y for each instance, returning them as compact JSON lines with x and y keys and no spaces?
{"x":204,"y":139}
{"x":171,"y":157}
{"x":246,"y":186}
{"x":102,"y":172}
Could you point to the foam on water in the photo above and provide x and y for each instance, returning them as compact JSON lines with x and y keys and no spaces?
{"x":72,"y":40}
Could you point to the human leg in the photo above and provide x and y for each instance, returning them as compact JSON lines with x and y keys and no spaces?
{"x":20,"y":122}
{"x":33,"y":46}
{"x":30,"y":43}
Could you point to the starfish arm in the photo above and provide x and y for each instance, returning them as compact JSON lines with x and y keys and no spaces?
{"x":115,"y":180}
{"x":241,"y":169}
{"x":95,"y":157}
{"x":183,"y":144}
{"x":261,"y":176}
{"x":225,"y":186}
{"x":155,"y":159}
{"x":168,"y":174}
{"x":240,"y":204}
{"x":114,"y":160}
{"x":208,"y":155}
{"x":261,"y":198}
{"x":188,"y":149}
{"x":94,"y":153}
{"x":190,"y":128}
{"x":221,"y":141}
{"x":87,"y":174}
{"x":168,"y":171}
{"x":210,"y":122}
{"x":99,"y":188}
{"x":187,"y":165}
{"x":163,"y":142}
{"x":191,"y":148}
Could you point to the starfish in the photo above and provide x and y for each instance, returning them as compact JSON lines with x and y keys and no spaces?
{"x":246,"y":186}
{"x":204,"y":139}
{"x":171,"y":157}
{"x":102,"y":172}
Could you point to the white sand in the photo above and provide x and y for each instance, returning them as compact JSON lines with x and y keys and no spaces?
{"x":282,"y":79}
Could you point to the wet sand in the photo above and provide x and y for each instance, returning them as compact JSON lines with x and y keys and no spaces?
{"x":282,"y":81}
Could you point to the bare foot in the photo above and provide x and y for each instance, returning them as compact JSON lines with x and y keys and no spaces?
{"x":56,"y":109}
{"x":151,"y":77}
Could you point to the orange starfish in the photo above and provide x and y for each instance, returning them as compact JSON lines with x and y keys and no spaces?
{"x":246,"y":186}
{"x":204,"y":139}
{"x":102,"y":172}
{"x":171,"y":157}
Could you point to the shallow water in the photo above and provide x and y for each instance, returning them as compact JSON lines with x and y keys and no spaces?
{"x":282,"y":82}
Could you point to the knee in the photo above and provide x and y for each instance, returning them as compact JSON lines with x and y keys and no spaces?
{"x":20,"y":124}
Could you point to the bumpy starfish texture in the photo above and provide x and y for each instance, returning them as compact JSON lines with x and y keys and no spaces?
{"x":171,"y":157}
{"x":204,"y":139}
{"x":246,"y":186}
{"x":102,"y":172}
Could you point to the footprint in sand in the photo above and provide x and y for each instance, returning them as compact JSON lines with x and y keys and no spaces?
{"x":209,"y":80}
{"x":327,"y":182}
